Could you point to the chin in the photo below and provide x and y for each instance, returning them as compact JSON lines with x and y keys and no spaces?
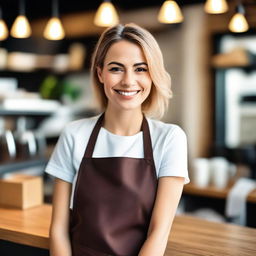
{"x":129,"y":107}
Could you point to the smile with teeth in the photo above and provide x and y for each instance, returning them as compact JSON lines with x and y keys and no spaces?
{"x":126,"y":93}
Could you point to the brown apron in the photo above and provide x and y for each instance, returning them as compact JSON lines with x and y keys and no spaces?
{"x":113,"y":201}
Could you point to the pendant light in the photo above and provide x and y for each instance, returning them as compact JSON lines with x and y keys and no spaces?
{"x":54,"y":29}
{"x":106,"y":15}
{"x":21,"y":27}
{"x":3,"y":28}
{"x":238,"y":23}
{"x":170,"y":13}
{"x":216,"y":6}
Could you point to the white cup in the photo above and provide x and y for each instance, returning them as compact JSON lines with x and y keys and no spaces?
{"x":219,"y":171}
{"x":201,"y":172}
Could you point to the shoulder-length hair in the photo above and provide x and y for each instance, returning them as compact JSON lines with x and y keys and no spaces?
{"x":158,"y":100}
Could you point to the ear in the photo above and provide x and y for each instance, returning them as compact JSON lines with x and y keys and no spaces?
{"x":99,"y":73}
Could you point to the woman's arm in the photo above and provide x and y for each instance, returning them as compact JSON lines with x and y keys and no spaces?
{"x":167,"y":199}
{"x":59,"y":230}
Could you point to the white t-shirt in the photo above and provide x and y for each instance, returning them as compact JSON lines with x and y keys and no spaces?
{"x":169,"y":145}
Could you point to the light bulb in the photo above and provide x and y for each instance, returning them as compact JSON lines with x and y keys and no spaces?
{"x":106,"y":15}
{"x":170,"y":13}
{"x":238,"y":23}
{"x":54,"y":29}
{"x":3,"y":30}
{"x":216,"y":6}
{"x":21,"y":27}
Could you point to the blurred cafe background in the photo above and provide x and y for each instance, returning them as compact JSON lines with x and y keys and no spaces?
{"x":209,"y":49}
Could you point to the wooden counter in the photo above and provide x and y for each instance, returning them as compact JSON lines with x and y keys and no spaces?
{"x":28,"y":227}
{"x":211,"y":191}
{"x":189,"y":235}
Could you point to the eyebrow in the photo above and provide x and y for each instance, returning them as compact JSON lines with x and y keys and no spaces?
{"x":122,"y":65}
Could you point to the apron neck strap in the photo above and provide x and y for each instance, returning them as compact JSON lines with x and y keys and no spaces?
{"x":147,"y":145}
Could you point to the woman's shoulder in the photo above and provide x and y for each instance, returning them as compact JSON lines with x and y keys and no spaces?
{"x":164,"y":129}
{"x":83,"y":124}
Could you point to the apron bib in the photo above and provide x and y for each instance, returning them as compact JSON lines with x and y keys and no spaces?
{"x":113,"y":201}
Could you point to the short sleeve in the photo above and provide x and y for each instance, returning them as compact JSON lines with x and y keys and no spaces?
{"x":60,"y":164}
{"x":175,"y":160}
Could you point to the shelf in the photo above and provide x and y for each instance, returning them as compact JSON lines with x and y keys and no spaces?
{"x":4,"y":112}
{"x":249,"y":67}
{"x":16,"y":166}
{"x":210,"y":191}
{"x":28,"y":106}
{"x":40,"y":71}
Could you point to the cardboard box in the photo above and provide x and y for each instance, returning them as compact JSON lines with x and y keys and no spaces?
{"x":21,"y":191}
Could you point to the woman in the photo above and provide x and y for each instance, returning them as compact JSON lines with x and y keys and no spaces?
{"x":127,"y":169}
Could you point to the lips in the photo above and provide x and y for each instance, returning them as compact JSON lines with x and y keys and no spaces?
{"x":127,"y":93}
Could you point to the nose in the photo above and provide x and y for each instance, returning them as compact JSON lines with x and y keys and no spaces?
{"x":128,"y":79}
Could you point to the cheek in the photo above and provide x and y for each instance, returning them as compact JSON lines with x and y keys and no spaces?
{"x":147,"y":80}
{"x":111,"y":80}
{"x":147,"y":83}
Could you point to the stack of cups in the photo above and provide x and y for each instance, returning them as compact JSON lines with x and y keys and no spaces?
{"x":220,"y":172}
{"x":201,"y":172}
{"x":214,"y":171}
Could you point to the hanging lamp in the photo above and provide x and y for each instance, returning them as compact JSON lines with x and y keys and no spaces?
{"x":21,"y":27}
{"x":238,"y":22}
{"x":216,"y":6}
{"x":106,"y":15}
{"x":54,"y":29}
{"x":170,"y":13}
{"x":3,"y":28}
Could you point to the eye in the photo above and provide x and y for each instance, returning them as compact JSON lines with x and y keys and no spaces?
{"x":115,"y":69}
{"x":141,"y":69}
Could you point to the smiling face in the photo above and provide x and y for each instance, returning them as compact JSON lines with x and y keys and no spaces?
{"x":125,"y":76}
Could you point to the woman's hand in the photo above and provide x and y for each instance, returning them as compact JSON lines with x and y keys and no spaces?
{"x":59,"y":230}
{"x":168,"y":196}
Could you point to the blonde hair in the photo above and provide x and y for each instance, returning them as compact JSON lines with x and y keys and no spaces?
{"x":158,"y":100}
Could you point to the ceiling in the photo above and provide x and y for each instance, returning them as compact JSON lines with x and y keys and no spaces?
{"x":40,"y":9}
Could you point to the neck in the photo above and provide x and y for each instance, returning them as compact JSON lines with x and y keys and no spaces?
{"x":124,"y":123}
